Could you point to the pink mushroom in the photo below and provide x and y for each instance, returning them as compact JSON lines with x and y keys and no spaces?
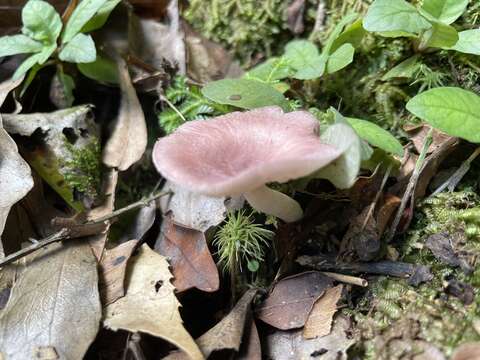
{"x":240,"y":152}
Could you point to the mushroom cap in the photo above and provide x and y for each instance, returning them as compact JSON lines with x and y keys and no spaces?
{"x":241,"y":151}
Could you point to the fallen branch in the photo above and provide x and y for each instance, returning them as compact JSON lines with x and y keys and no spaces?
{"x":69,"y":233}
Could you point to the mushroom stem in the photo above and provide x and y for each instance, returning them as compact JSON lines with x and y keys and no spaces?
{"x":275,"y":203}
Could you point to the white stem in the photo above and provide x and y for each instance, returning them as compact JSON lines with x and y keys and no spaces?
{"x":275,"y":203}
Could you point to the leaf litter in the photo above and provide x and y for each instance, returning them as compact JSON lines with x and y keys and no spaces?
{"x":95,"y":240}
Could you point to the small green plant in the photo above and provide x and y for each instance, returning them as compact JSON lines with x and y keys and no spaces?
{"x":45,"y":36}
{"x":187,"y":103}
{"x":428,"y":25}
{"x":240,"y":241}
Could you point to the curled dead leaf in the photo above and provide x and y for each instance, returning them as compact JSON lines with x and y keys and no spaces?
{"x":469,"y":351}
{"x":128,"y":140}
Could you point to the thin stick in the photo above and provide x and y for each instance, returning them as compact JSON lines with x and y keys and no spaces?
{"x":458,"y":175}
{"x":347,"y":279}
{"x":411,"y":185}
{"x":66,"y":233}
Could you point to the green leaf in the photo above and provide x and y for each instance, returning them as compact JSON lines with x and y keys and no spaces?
{"x":376,"y":136}
{"x":81,"y":49}
{"x":406,"y":69}
{"x":244,"y":93}
{"x":353,"y":34}
{"x":18,"y":44}
{"x":445,"y":11}
{"x":335,"y":34}
{"x":80,"y":16}
{"x":38,"y":58}
{"x":468,"y":42}
{"x":452,"y":110}
{"x":439,"y":36}
{"x":344,"y":171}
{"x":101,"y":16}
{"x":303,"y":56}
{"x":341,"y":58}
{"x":394,"y":15}
{"x":270,"y":71}
{"x":102,"y":69}
{"x":41,"y":21}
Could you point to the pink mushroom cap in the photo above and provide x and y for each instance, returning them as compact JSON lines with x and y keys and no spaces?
{"x":242,"y":151}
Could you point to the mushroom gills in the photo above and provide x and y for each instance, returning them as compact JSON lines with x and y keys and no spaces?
{"x":275,"y":203}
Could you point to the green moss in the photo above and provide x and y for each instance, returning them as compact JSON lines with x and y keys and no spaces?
{"x":393,"y":308}
{"x":83,"y":170}
{"x":247,"y":27}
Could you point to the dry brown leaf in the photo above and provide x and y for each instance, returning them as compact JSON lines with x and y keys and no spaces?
{"x":290,"y":302}
{"x":128,"y":140}
{"x":251,"y":348}
{"x":288,"y":345}
{"x":295,"y":13}
{"x":195,"y":210}
{"x":386,"y":211}
{"x":54,"y":303}
{"x":188,"y":253}
{"x":149,"y":304}
{"x":418,"y":134}
{"x":319,"y":322}
{"x":363,"y":236}
{"x":112,"y":270}
{"x":207,"y":60}
{"x":469,"y":351}
{"x":228,"y":333}
{"x":143,"y":222}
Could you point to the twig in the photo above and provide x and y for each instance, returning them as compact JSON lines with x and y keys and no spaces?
{"x":411,"y":185}
{"x":458,"y":175}
{"x":347,"y":279}
{"x":377,"y":197}
{"x":68,"y":233}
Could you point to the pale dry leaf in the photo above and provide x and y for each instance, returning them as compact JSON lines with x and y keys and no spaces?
{"x":468,"y":351}
{"x":128,"y":140}
{"x":112,"y":270}
{"x":288,"y":345}
{"x":15,"y":177}
{"x":251,"y":348}
{"x":319,"y":322}
{"x":54,"y":303}
{"x":197,"y":211}
{"x":7,"y":86}
{"x":97,"y":242}
{"x":150,"y":305}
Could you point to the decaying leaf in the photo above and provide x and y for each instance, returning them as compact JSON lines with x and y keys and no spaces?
{"x":188,"y":253}
{"x":283,"y":345}
{"x":15,"y":177}
{"x":54,"y":303}
{"x":319,"y":320}
{"x":154,"y":42}
{"x":142,"y":223}
{"x":386,"y":210}
{"x":67,"y":157}
{"x":228,"y":333}
{"x":290,"y":302}
{"x":128,"y":140}
{"x":363,"y":236}
{"x":251,"y":348}
{"x":418,"y":133}
{"x":195,"y":210}
{"x":150,"y":304}
{"x":469,"y":351}
{"x":207,"y":60}
{"x":112,"y":271}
